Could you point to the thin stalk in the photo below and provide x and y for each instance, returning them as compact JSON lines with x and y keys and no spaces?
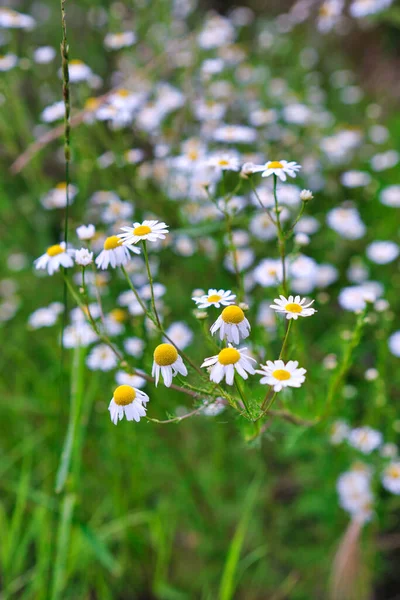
{"x":281,"y":238}
{"x":289,"y":232}
{"x":253,"y":187}
{"x":67,"y":154}
{"x":242,"y":396}
{"x":285,"y":339}
{"x":344,"y":367}
{"x":76,"y":396}
{"x":138,"y":298}
{"x":153,"y":300}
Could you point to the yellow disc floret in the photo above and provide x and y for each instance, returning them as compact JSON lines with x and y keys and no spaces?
{"x":112,"y":242}
{"x":275,"y":164}
{"x":165,"y":355}
{"x":118,"y":314}
{"x":293,"y":307}
{"x":281,"y":374}
{"x":232,"y":314}
{"x":393,"y":471}
{"x":214,"y":298}
{"x":54,"y":250}
{"x":141,"y":230}
{"x":228,"y":356}
{"x":124,"y":395}
{"x":61,"y":186}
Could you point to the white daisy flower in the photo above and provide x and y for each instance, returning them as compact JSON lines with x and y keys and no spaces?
{"x":215,"y":298}
{"x":365,"y":439}
{"x":232,"y":325}
{"x":114,"y":253}
{"x":167,"y":362}
{"x":86,"y":232}
{"x":281,"y":375}
{"x":391,"y":478}
{"x":101,"y":358}
{"x":293,"y":307}
{"x":55,"y":257}
{"x":148,"y":230}
{"x":224,"y":161}
{"x":280,"y":168}
{"x":127,"y":401}
{"x":229,"y":360}
{"x":83,"y":257}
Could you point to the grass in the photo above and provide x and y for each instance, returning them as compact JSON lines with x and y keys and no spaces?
{"x":206,"y":508}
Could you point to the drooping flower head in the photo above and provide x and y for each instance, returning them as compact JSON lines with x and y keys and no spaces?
{"x":232,"y":325}
{"x":167,"y":362}
{"x":127,"y":401}
{"x":114,"y":253}
{"x":55,"y":257}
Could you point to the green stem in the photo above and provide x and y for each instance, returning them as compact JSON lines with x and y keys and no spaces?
{"x":242,"y":396}
{"x":253,"y":187}
{"x":138,"y":298}
{"x":345,"y":365}
{"x":285,"y":339}
{"x":289,"y":232}
{"x":281,"y":238}
{"x":76,"y":396}
{"x":153,"y":300}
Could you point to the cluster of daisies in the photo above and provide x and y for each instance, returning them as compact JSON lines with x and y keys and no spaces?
{"x":231,"y":326}
{"x":355,"y":486}
{"x":116,"y":250}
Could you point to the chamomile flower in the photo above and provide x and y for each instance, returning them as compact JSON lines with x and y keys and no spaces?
{"x":55,"y":257}
{"x":293,"y":307}
{"x":86,"y":232}
{"x":365,"y":439}
{"x":215,"y":298}
{"x":148,"y":230}
{"x":167,"y":362}
{"x":280,"y":168}
{"x":391,"y":478}
{"x":114,"y":253}
{"x":281,"y":375}
{"x":127,"y":401}
{"x":232,"y":325}
{"x":224,"y":161}
{"x":225,"y":363}
{"x":83,"y":257}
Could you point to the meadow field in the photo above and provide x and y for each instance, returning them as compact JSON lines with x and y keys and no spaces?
{"x":199,"y":300}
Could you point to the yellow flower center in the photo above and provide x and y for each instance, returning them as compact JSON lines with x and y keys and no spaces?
{"x":124,"y":395}
{"x":228,"y":356}
{"x":142,"y":230}
{"x":165,"y":355}
{"x":275,"y":164}
{"x":214,"y":298}
{"x":281,"y":374}
{"x":193,"y":155}
{"x":123,"y":92}
{"x":54,"y":250}
{"x":75,"y":61}
{"x":293,"y":307}
{"x":112,"y":242}
{"x":61,"y":186}
{"x":223,"y":162}
{"x":92,"y":103}
{"x":232,"y":314}
{"x":393,"y":471}
{"x":118,"y":315}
